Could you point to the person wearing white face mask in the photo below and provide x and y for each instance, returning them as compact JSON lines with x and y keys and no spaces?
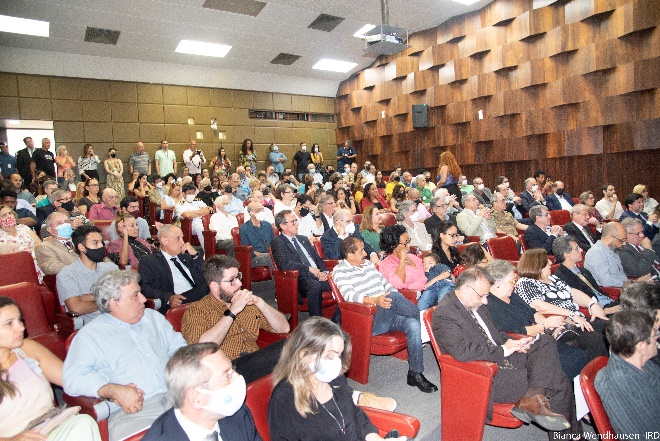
{"x":258,"y":233}
{"x":318,"y":177}
{"x":193,"y":208}
{"x":480,"y":191}
{"x":222,"y":223}
{"x":343,"y":227}
{"x":408,"y":216}
{"x":277,"y":159}
{"x":531,"y":196}
{"x":311,"y":398}
{"x":208,"y":397}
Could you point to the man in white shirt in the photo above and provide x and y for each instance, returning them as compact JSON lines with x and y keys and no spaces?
{"x":579,"y":228}
{"x":222,"y":223}
{"x":193,"y":208}
{"x":609,"y":207}
{"x":316,"y":174}
{"x":474,"y":221}
{"x":559,"y":199}
{"x":272,"y":177}
{"x":194,"y":158}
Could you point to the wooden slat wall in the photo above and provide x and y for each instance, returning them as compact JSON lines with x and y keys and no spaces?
{"x":570,"y":87}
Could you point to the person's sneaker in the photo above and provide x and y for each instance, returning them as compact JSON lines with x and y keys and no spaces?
{"x":370,"y":400}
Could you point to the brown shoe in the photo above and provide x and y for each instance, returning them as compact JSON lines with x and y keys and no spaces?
{"x":537,"y":408}
{"x":370,"y":400}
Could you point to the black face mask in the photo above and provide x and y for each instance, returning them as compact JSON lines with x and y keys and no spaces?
{"x":418,"y":201}
{"x":113,"y":155}
{"x":96,"y":255}
{"x":560,"y":191}
{"x":304,"y":211}
{"x":208,"y":189}
{"x":68,"y":206}
{"x":134,"y":213}
{"x":397,"y":179}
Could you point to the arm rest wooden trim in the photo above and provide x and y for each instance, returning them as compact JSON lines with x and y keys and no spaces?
{"x":407,"y":425}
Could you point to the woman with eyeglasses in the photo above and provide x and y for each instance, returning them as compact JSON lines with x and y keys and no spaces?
{"x":587,"y":198}
{"x":15,"y":237}
{"x":90,"y":196}
{"x":511,"y":314}
{"x":311,"y":398}
{"x":403,"y":269}
{"x":549,"y":295}
{"x":284,"y":199}
{"x":445,"y":244}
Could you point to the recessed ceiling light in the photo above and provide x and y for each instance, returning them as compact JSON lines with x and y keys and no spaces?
{"x":334,"y":65}
{"x":466,"y":2}
{"x":13,"y":122}
{"x":363,"y":30}
{"x":24,"y":26}
{"x":202,"y":48}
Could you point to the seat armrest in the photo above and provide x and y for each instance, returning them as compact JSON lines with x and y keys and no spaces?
{"x":358,"y":308}
{"x":153,"y":304}
{"x":265,"y":338}
{"x":209,"y":243}
{"x":612,"y":291}
{"x":330,"y":263}
{"x":483,"y":368}
{"x":97,"y":408}
{"x":65,"y":325}
{"x":407,"y":425}
{"x":410,"y":294}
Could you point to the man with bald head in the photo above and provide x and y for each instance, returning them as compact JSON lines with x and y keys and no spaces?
{"x":559,"y":199}
{"x":174,"y":273}
{"x":140,"y":160}
{"x":414,"y":195}
{"x":222,"y":223}
{"x":603,"y":261}
{"x":236,"y":190}
{"x":107,"y":209}
{"x":257,"y":232}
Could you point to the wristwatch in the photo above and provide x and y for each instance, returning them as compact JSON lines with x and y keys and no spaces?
{"x":228,"y":313}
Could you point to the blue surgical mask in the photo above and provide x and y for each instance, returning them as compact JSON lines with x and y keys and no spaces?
{"x":64,"y":231}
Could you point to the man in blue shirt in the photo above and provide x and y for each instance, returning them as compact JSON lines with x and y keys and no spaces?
{"x":127,"y":369}
{"x":257,"y":233}
{"x":7,"y":161}
{"x":345,"y":155}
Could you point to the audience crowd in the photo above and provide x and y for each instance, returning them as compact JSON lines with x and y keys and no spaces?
{"x":407,"y":232}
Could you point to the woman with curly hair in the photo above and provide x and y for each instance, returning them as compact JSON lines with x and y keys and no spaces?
{"x":248,"y":154}
{"x":449,"y":173}
{"x":371,"y":197}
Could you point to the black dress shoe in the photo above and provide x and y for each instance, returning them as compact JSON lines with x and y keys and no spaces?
{"x":417,"y":379}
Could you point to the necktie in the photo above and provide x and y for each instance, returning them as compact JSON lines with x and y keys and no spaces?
{"x":212,"y":436}
{"x":178,"y":266}
{"x":587,"y":233}
{"x":301,"y":253}
{"x":506,"y":364}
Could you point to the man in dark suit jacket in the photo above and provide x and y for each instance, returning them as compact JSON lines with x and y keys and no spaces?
{"x":439,"y":210}
{"x":343,"y":226}
{"x":173,"y":283}
{"x":579,"y":228}
{"x":635,"y":203}
{"x":530,"y":196}
{"x":637,"y":256}
{"x":23,"y":160}
{"x":195,"y":402}
{"x":529,"y":371}
{"x":554,"y":200}
{"x":294,"y":252}
{"x":535,"y":234}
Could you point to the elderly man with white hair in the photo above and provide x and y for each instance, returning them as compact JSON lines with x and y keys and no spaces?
{"x":106,"y":361}
{"x":453,"y":206}
{"x":425,"y":193}
{"x":222,"y":223}
{"x":316,"y":174}
{"x":107,"y":209}
{"x":475,"y":221}
{"x":409,"y":218}
{"x":258,"y":197}
{"x":412,"y":194}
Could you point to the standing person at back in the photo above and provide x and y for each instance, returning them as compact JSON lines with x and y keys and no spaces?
{"x":449,"y":174}
{"x":140,"y":160}
{"x":24,"y":158}
{"x":345,"y":155}
{"x":165,"y":160}
{"x":301,"y":160}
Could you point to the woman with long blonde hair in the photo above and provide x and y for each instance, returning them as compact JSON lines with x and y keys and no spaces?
{"x":449,"y":173}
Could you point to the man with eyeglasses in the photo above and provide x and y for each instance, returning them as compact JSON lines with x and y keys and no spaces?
{"x":60,"y":202}
{"x":602,"y":259}
{"x":540,"y":234}
{"x":57,"y":251}
{"x":635,"y":203}
{"x":292,"y":251}
{"x":439,"y":210}
{"x":637,"y":256}
{"x":344,"y":227}
{"x":174,"y":273}
{"x":530,"y":372}
{"x":107,"y":209}
{"x":232,"y":318}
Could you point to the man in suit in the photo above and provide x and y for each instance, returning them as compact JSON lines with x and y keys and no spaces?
{"x":540,"y":234}
{"x":530,"y":373}
{"x":480,"y":192}
{"x":342,"y":228}
{"x":23,"y":160}
{"x":568,"y":253}
{"x":578,"y":228}
{"x":57,"y":251}
{"x":294,"y":252}
{"x":195,"y":376}
{"x":635,"y":203}
{"x":531,"y":196}
{"x":173,"y":274}
{"x":559,"y":199}
{"x":637,"y":256}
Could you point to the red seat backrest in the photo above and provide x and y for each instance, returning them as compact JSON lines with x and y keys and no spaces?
{"x":587,"y":377}
{"x":17,"y":267}
{"x":389,"y":219}
{"x":175,"y":315}
{"x":257,"y":398}
{"x":104,"y":226}
{"x":240,"y":217}
{"x":560,"y":217}
{"x":357,"y":219}
{"x":28,"y":298}
{"x":318,"y":247}
{"x":236,"y":236}
{"x":503,"y":248}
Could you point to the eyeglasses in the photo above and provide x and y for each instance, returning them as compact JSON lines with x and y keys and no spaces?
{"x":295,"y":221}
{"x":233,"y":280}
{"x":440,"y":206}
{"x":624,"y":240}
{"x":481,"y":296}
{"x":577,"y":248}
{"x":640,"y":234}
{"x":405,"y":243}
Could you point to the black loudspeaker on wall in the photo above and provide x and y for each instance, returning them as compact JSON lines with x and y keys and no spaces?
{"x":420,"y":115}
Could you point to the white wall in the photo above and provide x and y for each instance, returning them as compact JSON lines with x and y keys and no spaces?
{"x":15,"y":138}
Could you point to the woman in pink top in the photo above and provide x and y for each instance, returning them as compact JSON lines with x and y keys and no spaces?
{"x":401,"y":268}
{"x":26,"y":371}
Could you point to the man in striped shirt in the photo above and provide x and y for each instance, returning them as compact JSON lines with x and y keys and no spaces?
{"x":359,"y":281}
